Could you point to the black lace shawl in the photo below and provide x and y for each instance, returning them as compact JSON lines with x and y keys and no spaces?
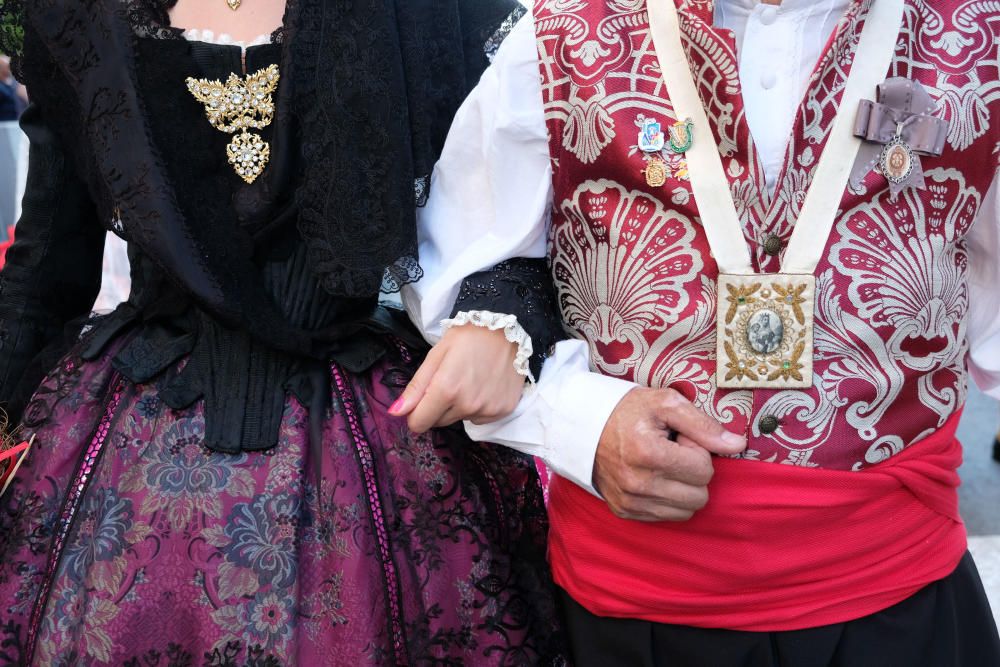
{"x":374,"y":85}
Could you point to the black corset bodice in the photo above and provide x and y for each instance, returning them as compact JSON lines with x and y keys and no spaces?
{"x":242,"y":294}
{"x":194,"y":153}
{"x":162,"y":336}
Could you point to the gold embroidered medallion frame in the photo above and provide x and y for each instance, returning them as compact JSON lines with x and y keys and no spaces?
{"x":765,"y":331}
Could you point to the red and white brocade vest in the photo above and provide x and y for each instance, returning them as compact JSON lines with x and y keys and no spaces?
{"x":636,"y":279}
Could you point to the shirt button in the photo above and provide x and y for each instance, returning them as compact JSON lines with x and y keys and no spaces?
{"x":773,"y":245}
{"x":768,"y":424}
{"x":768,"y":79}
{"x":768,"y":15}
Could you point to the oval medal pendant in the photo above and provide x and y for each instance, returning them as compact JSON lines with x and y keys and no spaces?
{"x":896,"y":161}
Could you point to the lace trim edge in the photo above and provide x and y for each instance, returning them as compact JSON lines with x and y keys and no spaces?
{"x":512,"y":330}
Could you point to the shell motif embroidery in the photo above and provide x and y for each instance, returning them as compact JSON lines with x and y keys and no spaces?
{"x":622,"y":264}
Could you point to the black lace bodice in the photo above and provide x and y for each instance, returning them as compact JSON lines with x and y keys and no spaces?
{"x":242,"y":380}
{"x":232,"y":301}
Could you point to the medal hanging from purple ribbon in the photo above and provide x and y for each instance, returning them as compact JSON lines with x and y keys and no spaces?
{"x":897,"y":129}
{"x":896,"y":161}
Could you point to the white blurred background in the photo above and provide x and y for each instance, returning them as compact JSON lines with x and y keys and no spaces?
{"x":13,"y":171}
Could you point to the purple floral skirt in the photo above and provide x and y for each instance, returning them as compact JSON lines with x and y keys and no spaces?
{"x":125,"y":542}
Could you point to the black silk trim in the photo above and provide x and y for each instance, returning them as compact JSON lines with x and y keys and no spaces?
{"x":374,"y":85}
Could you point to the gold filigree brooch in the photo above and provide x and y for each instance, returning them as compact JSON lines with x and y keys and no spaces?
{"x":238,"y":106}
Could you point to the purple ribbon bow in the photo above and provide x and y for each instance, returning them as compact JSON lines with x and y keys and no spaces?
{"x":897,"y":130}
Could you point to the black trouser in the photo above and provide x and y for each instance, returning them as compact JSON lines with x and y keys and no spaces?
{"x":946,"y":624}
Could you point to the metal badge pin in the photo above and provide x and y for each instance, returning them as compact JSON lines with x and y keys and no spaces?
{"x":651,"y":137}
{"x":655,"y":171}
{"x":681,"y":136}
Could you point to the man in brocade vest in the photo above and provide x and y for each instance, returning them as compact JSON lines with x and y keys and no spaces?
{"x":775,"y":236}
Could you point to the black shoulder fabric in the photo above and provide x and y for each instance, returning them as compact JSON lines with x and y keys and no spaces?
{"x":53,"y":271}
{"x":373,"y":99}
{"x":521,"y":287}
{"x":487,"y":24}
{"x":374,"y":123}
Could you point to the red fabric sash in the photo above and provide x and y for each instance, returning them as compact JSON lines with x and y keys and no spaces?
{"x":777,"y":548}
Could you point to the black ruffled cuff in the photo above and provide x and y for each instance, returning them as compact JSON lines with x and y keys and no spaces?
{"x":523,"y":288}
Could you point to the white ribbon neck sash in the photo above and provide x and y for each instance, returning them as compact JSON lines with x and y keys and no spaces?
{"x":708,"y":179}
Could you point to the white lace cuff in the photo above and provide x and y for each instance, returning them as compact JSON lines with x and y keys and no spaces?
{"x":511,"y":329}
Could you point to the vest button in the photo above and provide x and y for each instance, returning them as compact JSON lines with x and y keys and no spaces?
{"x":773,"y":245}
{"x":768,"y":424}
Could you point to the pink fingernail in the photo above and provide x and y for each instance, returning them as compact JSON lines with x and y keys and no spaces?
{"x":397,"y":407}
{"x":734,"y":440}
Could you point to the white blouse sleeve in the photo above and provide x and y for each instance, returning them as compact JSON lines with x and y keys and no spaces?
{"x":490,"y":201}
{"x":984,"y":294}
{"x":491,"y":191}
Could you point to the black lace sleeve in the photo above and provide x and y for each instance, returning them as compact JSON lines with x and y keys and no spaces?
{"x":53,"y":271}
{"x":520,"y":287}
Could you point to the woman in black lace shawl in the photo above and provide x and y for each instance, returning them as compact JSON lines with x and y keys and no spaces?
{"x":216,"y":477}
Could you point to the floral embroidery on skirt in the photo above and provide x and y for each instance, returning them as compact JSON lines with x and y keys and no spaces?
{"x":125,"y":542}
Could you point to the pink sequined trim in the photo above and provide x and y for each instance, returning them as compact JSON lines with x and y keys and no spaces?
{"x":70,"y":506}
{"x":404,"y":351}
{"x":367,"y":461}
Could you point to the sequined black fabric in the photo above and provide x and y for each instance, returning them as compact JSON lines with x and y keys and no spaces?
{"x":523,"y":287}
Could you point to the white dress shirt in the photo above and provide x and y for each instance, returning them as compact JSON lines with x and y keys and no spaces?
{"x":778,"y":48}
{"x":491,"y":199}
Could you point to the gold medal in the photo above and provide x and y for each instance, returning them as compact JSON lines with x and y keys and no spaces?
{"x":655,"y":171}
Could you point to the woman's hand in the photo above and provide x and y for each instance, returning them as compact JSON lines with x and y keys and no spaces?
{"x":469,"y":375}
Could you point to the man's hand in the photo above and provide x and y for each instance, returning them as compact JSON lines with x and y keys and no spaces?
{"x":647,"y":476}
{"x":469,"y":375}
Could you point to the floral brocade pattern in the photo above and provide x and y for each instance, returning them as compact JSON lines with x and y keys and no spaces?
{"x":236,"y":560}
{"x":892,"y":306}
